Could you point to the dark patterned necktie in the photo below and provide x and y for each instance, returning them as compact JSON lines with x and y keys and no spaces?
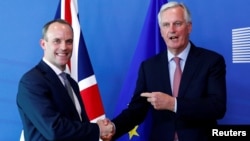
{"x":67,"y":86}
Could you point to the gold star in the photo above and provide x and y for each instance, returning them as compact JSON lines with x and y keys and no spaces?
{"x":133,"y":132}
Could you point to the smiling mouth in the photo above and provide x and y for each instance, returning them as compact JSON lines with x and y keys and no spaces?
{"x":62,"y":54}
{"x":174,"y":37}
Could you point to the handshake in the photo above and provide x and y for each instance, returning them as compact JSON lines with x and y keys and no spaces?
{"x":107,"y":129}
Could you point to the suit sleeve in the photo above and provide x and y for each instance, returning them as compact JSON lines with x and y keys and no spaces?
{"x":136,"y":111}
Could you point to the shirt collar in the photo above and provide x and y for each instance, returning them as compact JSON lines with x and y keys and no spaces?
{"x":53,"y":67}
{"x":183,"y":55}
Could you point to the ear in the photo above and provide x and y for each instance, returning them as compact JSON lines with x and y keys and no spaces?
{"x":162,"y":32}
{"x":42,"y":44}
{"x":189,"y":27}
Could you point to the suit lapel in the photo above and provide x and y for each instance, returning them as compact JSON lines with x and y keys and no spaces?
{"x":190,"y":69}
{"x":52,"y":77}
{"x":78,"y":95}
{"x":75,"y":87}
{"x":165,"y":77}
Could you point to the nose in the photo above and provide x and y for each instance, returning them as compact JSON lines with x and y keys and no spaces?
{"x":63,"y":45}
{"x":171,"y":28}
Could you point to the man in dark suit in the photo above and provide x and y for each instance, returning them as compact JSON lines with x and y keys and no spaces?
{"x":201,"y":98}
{"x":46,"y":109}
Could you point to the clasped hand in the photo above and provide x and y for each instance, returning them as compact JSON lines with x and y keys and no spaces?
{"x":107,"y":129}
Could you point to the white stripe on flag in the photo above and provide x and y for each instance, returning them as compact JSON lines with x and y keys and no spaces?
{"x":76,"y":28}
{"x":87,"y":82}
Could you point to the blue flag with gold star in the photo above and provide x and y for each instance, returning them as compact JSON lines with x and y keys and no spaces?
{"x":149,"y":44}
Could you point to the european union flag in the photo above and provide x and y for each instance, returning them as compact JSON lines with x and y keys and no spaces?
{"x":149,"y":44}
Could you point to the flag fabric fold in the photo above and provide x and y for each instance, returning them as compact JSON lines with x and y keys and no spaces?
{"x":150,"y":43}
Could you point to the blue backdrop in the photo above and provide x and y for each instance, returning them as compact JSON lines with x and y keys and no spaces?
{"x":111,"y":30}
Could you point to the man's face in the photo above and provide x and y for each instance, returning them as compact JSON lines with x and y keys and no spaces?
{"x":58,"y":44}
{"x":175,"y":29}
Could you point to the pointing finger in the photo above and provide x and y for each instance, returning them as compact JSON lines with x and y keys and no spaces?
{"x":148,"y":95}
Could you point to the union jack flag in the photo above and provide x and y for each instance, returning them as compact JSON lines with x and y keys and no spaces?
{"x":80,"y":66}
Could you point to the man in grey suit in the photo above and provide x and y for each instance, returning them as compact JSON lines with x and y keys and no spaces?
{"x":201,"y":97}
{"x":46,"y":109}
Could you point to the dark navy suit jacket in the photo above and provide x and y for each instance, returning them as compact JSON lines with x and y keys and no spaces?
{"x":201,"y":99}
{"x":46,"y":110}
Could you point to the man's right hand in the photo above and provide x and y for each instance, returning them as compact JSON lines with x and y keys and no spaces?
{"x":107,"y":129}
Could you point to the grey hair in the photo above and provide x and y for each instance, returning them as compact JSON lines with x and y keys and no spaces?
{"x":172,"y":4}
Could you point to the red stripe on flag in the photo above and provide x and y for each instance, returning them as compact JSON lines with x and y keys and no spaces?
{"x":68,"y":18}
{"x":89,"y":96}
{"x":68,"y":11}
